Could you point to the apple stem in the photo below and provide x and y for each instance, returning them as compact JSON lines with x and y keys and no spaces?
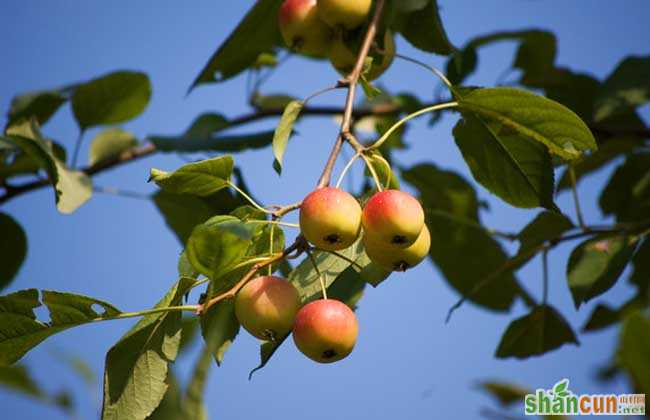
{"x":318,"y":272}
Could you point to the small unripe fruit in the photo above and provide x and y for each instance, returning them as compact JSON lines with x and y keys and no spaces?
{"x":267,"y":306}
{"x":393,"y":218}
{"x":348,"y":14}
{"x":330,"y":218}
{"x":302,"y":29}
{"x":325,"y":330}
{"x":399,"y":259}
{"x":343,"y":58}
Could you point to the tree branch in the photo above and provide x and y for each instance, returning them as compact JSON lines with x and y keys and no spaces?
{"x":352,"y":80}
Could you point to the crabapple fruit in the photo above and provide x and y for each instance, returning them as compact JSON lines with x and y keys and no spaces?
{"x":330,"y":218}
{"x":393,"y":218}
{"x":347,"y":14}
{"x":325,"y":330}
{"x":302,"y":29}
{"x":266,"y":307}
{"x":343,"y":58}
{"x":399,"y":259}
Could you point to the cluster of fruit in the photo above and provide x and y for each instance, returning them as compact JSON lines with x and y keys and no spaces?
{"x":395,"y":237}
{"x":326,"y":28}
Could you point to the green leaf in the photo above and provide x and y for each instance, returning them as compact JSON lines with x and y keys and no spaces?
{"x":271,"y":102}
{"x":13,"y":248}
{"x":423,"y":29}
{"x":306,"y":280}
{"x":626,"y":88}
{"x":513,"y":167}
{"x":283,"y":132}
{"x":604,"y":316}
{"x":348,"y":287}
{"x":171,"y":406}
{"x":633,"y":350}
{"x":72,"y":188}
{"x":606,"y":153}
{"x":41,"y":105}
{"x":235,"y":143}
{"x":18,"y":379}
{"x":507,"y":394}
{"x":641,"y":261}
{"x":109,"y":144}
{"x":20,"y":331}
{"x":451,"y":210}
{"x":596,"y":264}
{"x":219,"y":327}
{"x":627,"y":194}
{"x":257,"y":33}
{"x":183,"y":212}
{"x":199,"y":178}
{"x":540,"y":331}
{"x":205,"y":125}
{"x":213,"y":248}
{"x":560,"y":387}
{"x":384,"y":172}
{"x":111,"y":99}
{"x":545,"y":227}
{"x":533,"y":117}
{"x":135,"y":377}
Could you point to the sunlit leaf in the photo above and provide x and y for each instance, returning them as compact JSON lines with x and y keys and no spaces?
{"x":109,"y":144}
{"x":111,"y":99}
{"x":283,"y":132}
{"x":199,"y":178}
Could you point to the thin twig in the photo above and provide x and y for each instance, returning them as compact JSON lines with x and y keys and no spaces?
{"x":576,"y":199}
{"x":352,"y":81}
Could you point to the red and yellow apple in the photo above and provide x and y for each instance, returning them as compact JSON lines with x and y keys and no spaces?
{"x":346,"y":14}
{"x":400,"y":259}
{"x":325,"y":330}
{"x":393,"y":219}
{"x":302,"y":29}
{"x":330,"y":218}
{"x":267,"y":306}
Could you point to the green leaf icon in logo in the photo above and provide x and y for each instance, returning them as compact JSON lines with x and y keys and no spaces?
{"x":560,"y":388}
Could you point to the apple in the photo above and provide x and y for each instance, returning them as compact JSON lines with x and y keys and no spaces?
{"x":330,"y":218}
{"x":325,"y":330}
{"x":399,"y":259}
{"x":347,"y":14}
{"x":266,"y":307}
{"x":343,"y":58}
{"x":393,"y":219}
{"x":302,"y":29}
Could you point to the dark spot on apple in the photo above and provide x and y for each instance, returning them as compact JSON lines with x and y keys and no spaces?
{"x":399,"y":240}
{"x":329,"y":354}
{"x":332,"y":239}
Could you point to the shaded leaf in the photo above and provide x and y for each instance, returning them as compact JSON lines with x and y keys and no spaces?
{"x":507,"y":394}
{"x":606,"y":153}
{"x":18,"y":379}
{"x":13,"y":248}
{"x":626,"y":88}
{"x":627,"y":194}
{"x":111,"y":99}
{"x":219,"y":327}
{"x":641,"y":261}
{"x":183,"y":212}
{"x":595,"y":265}
{"x":283,"y":132}
{"x":257,"y":33}
{"x":539,"y":332}
{"x":110,"y":143}
{"x":20,"y":331}
{"x":534,"y":117}
{"x":199,"y":178}
{"x":634,"y":348}
{"x":234,"y":143}
{"x":72,"y":188}
{"x":451,"y":210}
{"x":545,"y":227}
{"x":41,"y":105}
{"x":423,"y":29}
{"x":604,"y":316}
{"x":515,"y":168}
{"x":135,"y":376}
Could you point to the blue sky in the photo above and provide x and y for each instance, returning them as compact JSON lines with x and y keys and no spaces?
{"x":408,"y":363}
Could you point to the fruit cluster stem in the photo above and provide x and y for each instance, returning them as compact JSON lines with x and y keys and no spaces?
{"x":351,"y":81}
